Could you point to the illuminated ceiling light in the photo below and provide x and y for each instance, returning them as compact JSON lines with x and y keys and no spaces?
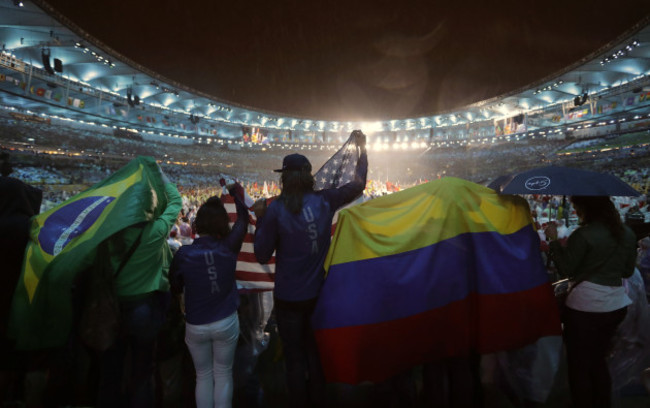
{"x":90,"y":75}
{"x":631,"y":70}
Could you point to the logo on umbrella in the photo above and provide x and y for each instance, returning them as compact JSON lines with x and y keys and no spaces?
{"x":537,"y":183}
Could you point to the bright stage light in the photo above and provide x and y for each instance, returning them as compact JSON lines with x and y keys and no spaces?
{"x":370,"y":128}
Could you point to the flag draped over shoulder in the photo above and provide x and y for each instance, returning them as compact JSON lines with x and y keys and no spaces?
{"x":434,"y":271}
{"x":63,"y":242}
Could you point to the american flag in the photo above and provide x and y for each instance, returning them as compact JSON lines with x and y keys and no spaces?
{"x":340,"y":168}
{"x":251,"y":276}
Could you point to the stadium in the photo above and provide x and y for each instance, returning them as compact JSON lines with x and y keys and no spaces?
{"x":73,"y":111}
{"x":61,"y":88}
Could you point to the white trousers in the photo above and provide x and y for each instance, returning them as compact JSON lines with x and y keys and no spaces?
{"x":212,"y":347}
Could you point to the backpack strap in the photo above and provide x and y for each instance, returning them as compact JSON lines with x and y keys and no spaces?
{"x":128,"y":255}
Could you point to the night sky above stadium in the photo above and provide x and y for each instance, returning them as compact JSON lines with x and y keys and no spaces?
{"x":354,"y":60}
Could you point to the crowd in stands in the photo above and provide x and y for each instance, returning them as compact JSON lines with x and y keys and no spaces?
{"x":82,"y":154}
{"x":61,"y":177}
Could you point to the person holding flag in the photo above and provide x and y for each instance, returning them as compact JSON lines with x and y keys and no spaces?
{"x":297,"y":226}
{"x":142,"y":288}
{"x":119,"y":225}
{"x":205,"y":273}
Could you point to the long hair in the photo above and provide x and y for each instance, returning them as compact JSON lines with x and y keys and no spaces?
{"x":599,"y":208}
{"x":294,"y":184}
{"x":212,"y":219}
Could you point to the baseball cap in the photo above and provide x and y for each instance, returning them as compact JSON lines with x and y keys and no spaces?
{"x":294,"y":161}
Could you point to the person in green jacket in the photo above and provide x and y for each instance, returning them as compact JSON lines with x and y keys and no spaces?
{"x":597,"y":257}
{"x":142,"y":287}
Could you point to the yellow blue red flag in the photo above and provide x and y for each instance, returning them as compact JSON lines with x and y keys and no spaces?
{"x":439,"y":270}
{"x":63,"y":242}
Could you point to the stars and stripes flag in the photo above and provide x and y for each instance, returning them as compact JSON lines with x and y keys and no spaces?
{"x":340,"y":168}
{"x":251,"y":275}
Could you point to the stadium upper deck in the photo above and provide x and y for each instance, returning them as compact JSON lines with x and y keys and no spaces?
{"x":51,"y":67}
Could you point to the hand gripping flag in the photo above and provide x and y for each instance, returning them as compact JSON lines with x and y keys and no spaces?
{"x":434,"y":271}
{"x":63,"y":242}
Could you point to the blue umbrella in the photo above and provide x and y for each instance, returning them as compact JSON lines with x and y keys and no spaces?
{"x":558,"y":180}
{"x":499,"y":182}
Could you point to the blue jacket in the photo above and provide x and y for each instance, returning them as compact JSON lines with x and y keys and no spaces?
{"x":206,"y":270}
{"x":301,"y":241}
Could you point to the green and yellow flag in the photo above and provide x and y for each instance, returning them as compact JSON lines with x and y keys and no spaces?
{"x":63,"y":242}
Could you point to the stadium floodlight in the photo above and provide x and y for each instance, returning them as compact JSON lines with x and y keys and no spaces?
{"x":371,"y":127}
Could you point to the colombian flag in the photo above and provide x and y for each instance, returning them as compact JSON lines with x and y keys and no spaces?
{"x":438,"y":270}
{"x":63,"y":242}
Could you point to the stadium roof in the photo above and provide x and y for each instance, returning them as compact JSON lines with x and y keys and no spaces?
{"x":103,"y":82}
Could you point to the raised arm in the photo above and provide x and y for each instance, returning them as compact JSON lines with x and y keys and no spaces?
{"x":341,"y":196}
{"x":236,"y":237}
{"x":164,"y":222}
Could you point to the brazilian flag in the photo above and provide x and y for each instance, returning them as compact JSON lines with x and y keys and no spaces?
{"x":63,"y":242}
